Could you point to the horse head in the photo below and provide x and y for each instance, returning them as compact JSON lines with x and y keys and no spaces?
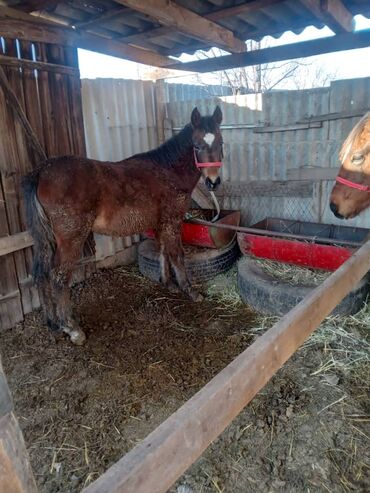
{"x":207,"y":143}
{"x":351,"y":192}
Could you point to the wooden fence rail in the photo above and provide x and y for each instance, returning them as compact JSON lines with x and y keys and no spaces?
{"x":155,"y":463}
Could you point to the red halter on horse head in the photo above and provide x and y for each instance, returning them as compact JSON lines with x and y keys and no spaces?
{"x":351,"y":193}
{"x":69,"y":197}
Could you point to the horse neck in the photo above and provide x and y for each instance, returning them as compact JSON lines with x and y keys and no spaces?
{"x":174,"y":151}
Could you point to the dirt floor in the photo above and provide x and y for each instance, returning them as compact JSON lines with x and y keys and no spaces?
{"x":148,"y":351}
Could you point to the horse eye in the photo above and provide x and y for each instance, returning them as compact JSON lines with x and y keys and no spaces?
{"x":357,"y":159}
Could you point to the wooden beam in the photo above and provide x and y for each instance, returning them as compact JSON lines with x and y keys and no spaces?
{"x":215,"y":16}
{"x":340,"y":42}
{"x":14,"y":24}
{"x":157,"y":461}
{"x":13,"y":243}
{"x":333,"y":13}
{"x":36,"y":5}
{"x":101,"y":18}
{"x":181,"y":19}
{"x":31,"y":65}
{"x":311,"y":174}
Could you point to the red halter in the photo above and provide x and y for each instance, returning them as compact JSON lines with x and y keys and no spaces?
{"x":216,"y":164}
{"x":352,"y":184}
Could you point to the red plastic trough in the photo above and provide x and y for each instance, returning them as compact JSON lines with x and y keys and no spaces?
{"x":299,"y":252}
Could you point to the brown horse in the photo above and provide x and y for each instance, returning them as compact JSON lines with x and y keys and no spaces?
{"x":351,"y":192}
{"x":67,"y":198}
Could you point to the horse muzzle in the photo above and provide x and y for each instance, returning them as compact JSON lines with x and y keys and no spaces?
{"x":212,"y":185}
{"x":334,"y":210}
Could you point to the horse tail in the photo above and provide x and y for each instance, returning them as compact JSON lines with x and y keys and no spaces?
{"x":40,"y":228}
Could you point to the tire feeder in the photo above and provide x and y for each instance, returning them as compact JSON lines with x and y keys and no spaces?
{"x":201,"y":265}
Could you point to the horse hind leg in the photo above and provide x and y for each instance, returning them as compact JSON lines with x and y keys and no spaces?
{"x":67,"y":255}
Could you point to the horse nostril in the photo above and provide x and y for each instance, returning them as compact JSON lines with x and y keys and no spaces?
{"x":334,"y":209}
{"x":218,"y":181}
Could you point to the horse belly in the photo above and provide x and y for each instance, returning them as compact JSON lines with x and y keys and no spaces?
{"x":126,"y":221}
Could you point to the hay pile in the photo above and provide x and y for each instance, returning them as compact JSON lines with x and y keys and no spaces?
{"x":292,"y":274}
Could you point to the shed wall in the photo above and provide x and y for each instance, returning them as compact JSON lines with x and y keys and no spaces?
{"x":268,"y":139}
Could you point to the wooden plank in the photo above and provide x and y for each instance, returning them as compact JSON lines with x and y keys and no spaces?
{"x":312,"y":174}
{"x":215,"y":16}
{"x":184,"y":20}
{"x":75,"y":103}
{"x":266,"y":188}
{"x":15,"y":470}
{"x":340,"y":42}
{"x":285,"y":128}
{"x":13,"y":243}
{"x":15,"y":159}
{"x":160,"y":108}
{"x":18,"y":111}
{"x":157,"y":461}
{"x":340,"y":115}
{"x":18,"y":25}
{"x":333,"y":13}
{"x":99,"y":19}
{"x":32,"y":65}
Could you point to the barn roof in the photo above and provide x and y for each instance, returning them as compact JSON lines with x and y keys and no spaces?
{"x":153,"y":31}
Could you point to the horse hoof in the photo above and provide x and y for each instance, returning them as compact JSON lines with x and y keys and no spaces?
{"x":196,"y":296}
{"x":172,"y":287}
{"x":77,"y":337}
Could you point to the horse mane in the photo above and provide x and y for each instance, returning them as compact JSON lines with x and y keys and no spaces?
{"x":167,"y":154}
{"x":352,"y":137}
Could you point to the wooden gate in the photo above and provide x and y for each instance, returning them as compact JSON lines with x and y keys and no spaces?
{"x":45,"y":79}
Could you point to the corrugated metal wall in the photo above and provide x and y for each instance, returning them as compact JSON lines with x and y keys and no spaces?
{"x":119,"y":120}
{"x":278,"y":155}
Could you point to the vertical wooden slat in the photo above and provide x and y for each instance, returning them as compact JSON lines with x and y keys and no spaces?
{"x":48,"y":116}
{"x":75,"y":103}
{"x":18,"y":161}
{"x":11,"y":305}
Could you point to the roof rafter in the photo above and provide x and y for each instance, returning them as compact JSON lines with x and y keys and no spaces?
{"x":215,"y":16}
{"x":19,"y":25}
{"x":333,"y":13}
{"x":189,"y":23}
{"x":344,"y":41}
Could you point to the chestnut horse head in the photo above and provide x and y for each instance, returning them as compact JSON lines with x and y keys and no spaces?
{"x":351,"y":192}
{"x":207,"y":142}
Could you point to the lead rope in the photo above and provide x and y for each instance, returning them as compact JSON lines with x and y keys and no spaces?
{"x":215,"y":201}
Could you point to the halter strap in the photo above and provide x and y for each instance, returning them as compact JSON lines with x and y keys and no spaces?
{"x":216,"y":164}
{"x":352,"y":184}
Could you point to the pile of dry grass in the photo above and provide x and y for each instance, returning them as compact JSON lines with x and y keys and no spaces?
{"x":292,"y":274}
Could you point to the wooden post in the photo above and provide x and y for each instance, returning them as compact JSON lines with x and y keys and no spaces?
{"x":160,"y":108}
{"x":156,"y":462}
{"x":15,"y":469}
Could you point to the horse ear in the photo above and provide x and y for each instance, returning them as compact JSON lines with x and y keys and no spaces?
{"x":217,"y":115}
{"x":195,"y":117}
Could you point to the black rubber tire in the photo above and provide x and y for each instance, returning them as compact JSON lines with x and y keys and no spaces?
{"x":271,"y":296}
{"x":200,"y":266}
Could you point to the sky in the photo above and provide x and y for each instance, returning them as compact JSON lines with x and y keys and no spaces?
{"x":346,"y":64}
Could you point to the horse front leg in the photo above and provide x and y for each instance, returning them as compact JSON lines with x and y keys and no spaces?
{"x":177,"y":260}
{"x":172,"y":255}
